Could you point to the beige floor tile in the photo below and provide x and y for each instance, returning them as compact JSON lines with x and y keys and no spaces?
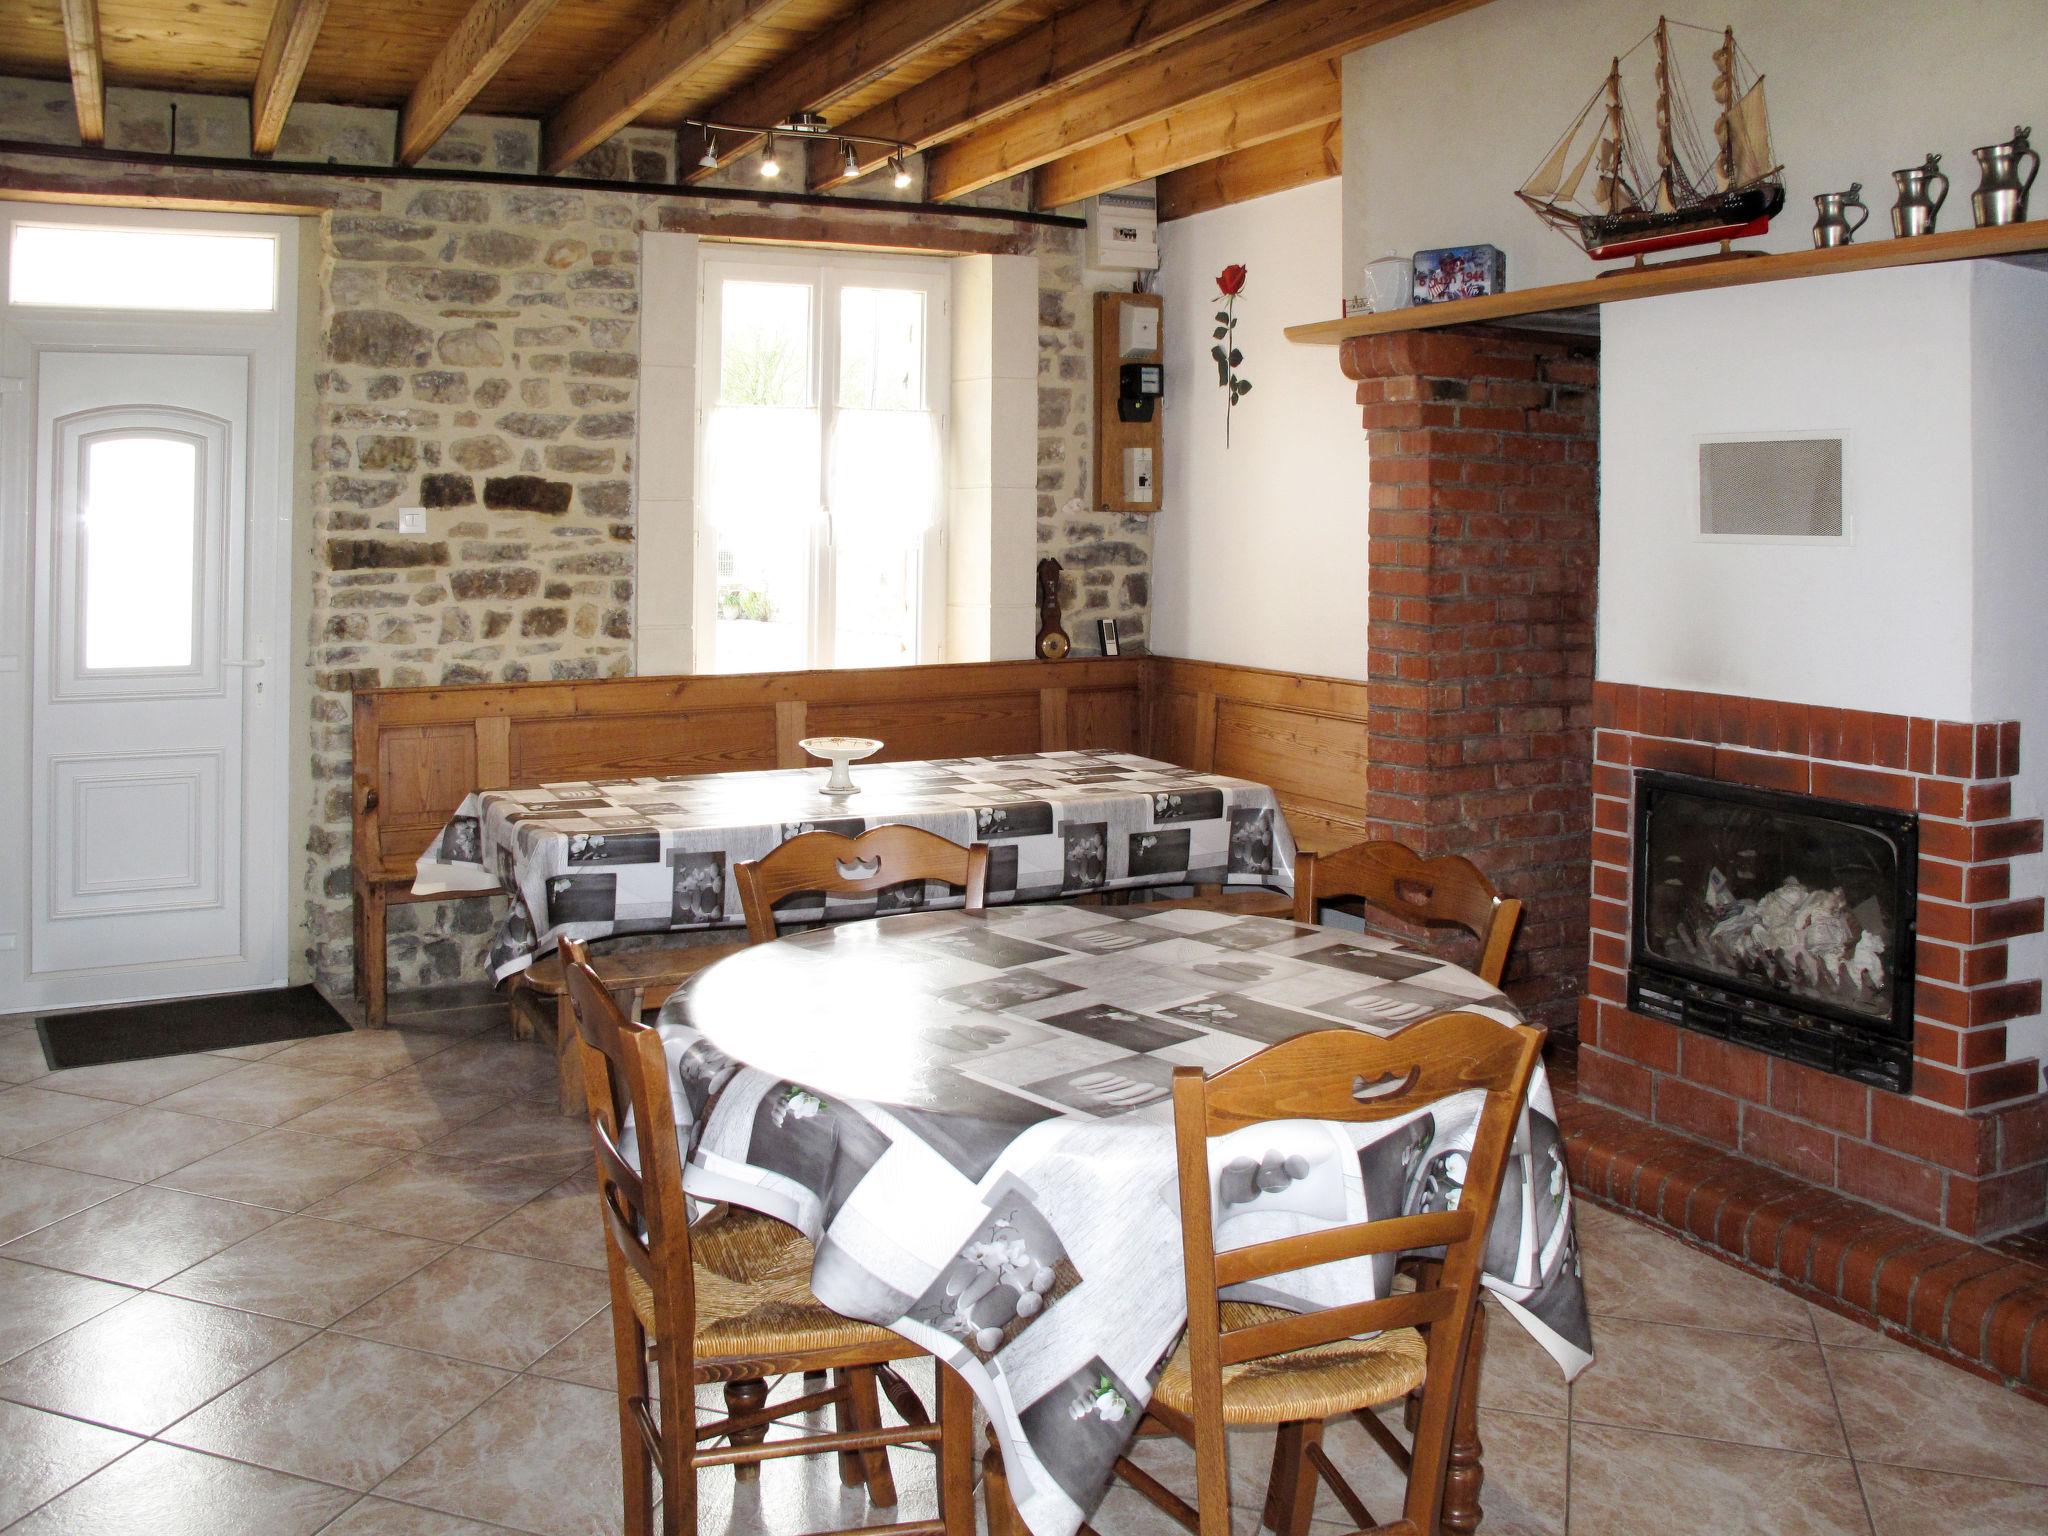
{"x":1748,"y":1388}
{"x":1905,"y":1501}
{"x":440,"y":1003}
{"x":1628,"y":1483}
{"x":137,"y":1144}
{"x":1632,"y":1271}
{"x":137,"y":1082}
{"x":522,"y":1131}
{"x":1838,"y":1332}
{"x":21,"y":1056}
{"x":1516,"y":1374}
{"x":304,"y":1270}
{"x":38,"y":1304}
{"x":365,"y":1053}
{"x":446,"y":1198}
{"x":566,"y":1224}
{"x":338,"y":1410}
{"x":528,"y":1458}
{"x":381,"y":1517}
{"x":141,"y":1236}
{"x":493,"y":1064}
{"x":261,"y":1093}
{"x":261,"y":1051}
{"x":805,"y":1494}
{"x":42,"y":1454}
{"x":146,"y":1363}
{"x":493,"y":1308}
{"x":283,"y":1169}
{"x":1914,"y":1411}
{"x":585,"y":1357}
{"x":33,"y":1196}
{"x":29,"y":1115}
{"x":159,"y":1490}
{"x":399,"y":1111}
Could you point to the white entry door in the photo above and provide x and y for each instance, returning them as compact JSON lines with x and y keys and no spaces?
{"x":154,"y":793}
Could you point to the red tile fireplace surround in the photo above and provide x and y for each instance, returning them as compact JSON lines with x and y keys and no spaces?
{"x":1968,"y":1150}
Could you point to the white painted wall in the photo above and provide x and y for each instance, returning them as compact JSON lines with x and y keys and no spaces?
{"x":1880,"y":621}
{"x":1443,"y":123}
{"x":1259,"y":549}
{"x":2009,"y":389}
{"x":991,"y":460}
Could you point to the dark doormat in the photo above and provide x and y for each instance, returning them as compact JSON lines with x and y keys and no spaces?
{"x":141,"y":1030}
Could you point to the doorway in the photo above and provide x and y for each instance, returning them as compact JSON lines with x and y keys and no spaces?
{"x":147,"y":361}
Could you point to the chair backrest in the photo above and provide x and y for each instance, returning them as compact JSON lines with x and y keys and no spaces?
{"x":646,"y":1218}
{"x":1393,"y":877}
{"x":833,"y":865}
{"x":1348,"y":1075}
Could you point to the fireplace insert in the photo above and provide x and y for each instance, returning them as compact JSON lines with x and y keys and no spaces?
{"x":1778,"y":921}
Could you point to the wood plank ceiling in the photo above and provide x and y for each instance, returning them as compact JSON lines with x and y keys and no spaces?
{"x":1222,"y":99}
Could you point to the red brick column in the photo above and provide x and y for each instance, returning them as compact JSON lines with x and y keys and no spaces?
{"x":1484,"y":538}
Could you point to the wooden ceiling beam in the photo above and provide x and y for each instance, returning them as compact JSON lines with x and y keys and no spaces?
{"x":88,"y":76}
{"x":1307,"y":95}
{"x":1069,"y":49}
{"x":482,"y":43}
{"x":691,"y":36}
{"x":1272,"y":39}
{"x":876,"y":40}
{"x":294,"y":28}
{"x":1313,"y":154}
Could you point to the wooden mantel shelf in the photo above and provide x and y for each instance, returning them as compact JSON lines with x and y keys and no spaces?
{"x":1564,"y":306}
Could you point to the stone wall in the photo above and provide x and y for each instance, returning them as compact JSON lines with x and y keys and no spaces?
{"x":475,"y":351}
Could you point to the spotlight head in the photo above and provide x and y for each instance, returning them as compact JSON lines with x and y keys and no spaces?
{"x":709,"y":159}
{"x":850,"y":162}
{"x":770,"y":166}
{"x":902,"y":177}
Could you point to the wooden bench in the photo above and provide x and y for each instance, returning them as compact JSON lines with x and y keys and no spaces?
{"x":419,"y":751}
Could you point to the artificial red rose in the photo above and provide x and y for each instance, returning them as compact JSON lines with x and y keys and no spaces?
{"x":1231,"y":282}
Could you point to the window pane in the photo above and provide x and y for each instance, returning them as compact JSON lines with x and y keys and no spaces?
{"x":885,"y":474}
{"x":142,"y":269}
{"x":139,"y":523}
{"x":763,"y":607}
{"x":875,"y":603}
{"x":764,"y":344}
{"x":881,"y":349}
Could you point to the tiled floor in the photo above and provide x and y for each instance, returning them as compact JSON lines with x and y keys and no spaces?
{"x":352,"y":1286}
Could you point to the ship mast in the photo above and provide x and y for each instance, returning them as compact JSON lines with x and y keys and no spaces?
{"x":1667,"y":154}
{"x":1724,"y":96}
{"x":1609,"y":189}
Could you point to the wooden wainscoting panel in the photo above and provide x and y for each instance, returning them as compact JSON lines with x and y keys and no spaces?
{"x":1105,"y":718}
{"x":961,"y":726}
{"x":691,"y":741}
{"x":1175,"y":728}
{"x":1303,"y":756}
{"x":423,"y":772}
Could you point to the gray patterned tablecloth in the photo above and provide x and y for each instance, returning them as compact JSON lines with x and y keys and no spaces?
{"x":619,"y":856}
{"x":970,"y":1116}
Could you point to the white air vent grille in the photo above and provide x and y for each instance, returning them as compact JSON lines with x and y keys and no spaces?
{"x":1772,"y":488}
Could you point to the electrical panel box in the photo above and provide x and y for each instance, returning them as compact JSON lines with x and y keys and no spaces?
{"x":1129,"y":383}
{"x":1123,"y":229}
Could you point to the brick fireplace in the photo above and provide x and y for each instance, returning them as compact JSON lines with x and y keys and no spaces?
{"x":1968,"y":1147}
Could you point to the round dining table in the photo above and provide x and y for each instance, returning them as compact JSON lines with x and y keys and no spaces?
{"x":969,"y":1114}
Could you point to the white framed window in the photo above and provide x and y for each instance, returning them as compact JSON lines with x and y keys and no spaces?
{"x":824,"y":385}
{"x":108,"y":266}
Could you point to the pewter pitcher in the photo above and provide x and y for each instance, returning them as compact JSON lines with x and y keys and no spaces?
{"x":1833,"y":227}
{"x":2001,"y":197}
{"x":1918,"y":206}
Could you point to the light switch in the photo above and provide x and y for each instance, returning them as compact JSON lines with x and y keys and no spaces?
{"x":412,"y":519}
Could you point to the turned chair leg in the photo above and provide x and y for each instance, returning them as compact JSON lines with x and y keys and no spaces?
{"x":746,"y":1397}
{"x":995,"y":1491}
{"x":866,"y":1410}
{"x":1464,"y":1475}
{"x":846,"y":1419}
{"x":956,"y":1451}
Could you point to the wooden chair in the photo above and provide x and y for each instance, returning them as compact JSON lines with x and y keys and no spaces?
{"x":1393,"y":877}
{"x":1243,"y":1364}
{"x":856,"y":866}
{"x":730,"y":1302}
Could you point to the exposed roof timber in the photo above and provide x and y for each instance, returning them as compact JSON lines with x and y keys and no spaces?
{"x":294,"y":28}
{"x":479,"y":47}
{"x":1304,"y":95}
{"x":88,"y":79}
{"x":873,"y":42}
{"x":1069,"y":49}
{"x":687,"y":39}
{"x":1277,"y":36}
{"x":1313,"y":154}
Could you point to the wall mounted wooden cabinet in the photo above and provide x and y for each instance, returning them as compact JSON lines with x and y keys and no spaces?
{"x":1128,"y":332}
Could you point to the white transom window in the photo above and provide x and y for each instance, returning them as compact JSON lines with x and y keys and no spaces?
{"x":821,"y":460}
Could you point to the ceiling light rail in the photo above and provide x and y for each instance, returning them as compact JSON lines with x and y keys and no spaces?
{"x":810,"y":127}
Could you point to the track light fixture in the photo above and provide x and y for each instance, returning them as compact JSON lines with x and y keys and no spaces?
{"x":802,"y":125}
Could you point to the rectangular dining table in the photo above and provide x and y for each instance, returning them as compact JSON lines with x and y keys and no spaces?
{"x":600,"y":858}
{"x":970,"y":1116}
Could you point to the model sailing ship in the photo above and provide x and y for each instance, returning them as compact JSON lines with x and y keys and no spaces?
{"x":1687,"y":194}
